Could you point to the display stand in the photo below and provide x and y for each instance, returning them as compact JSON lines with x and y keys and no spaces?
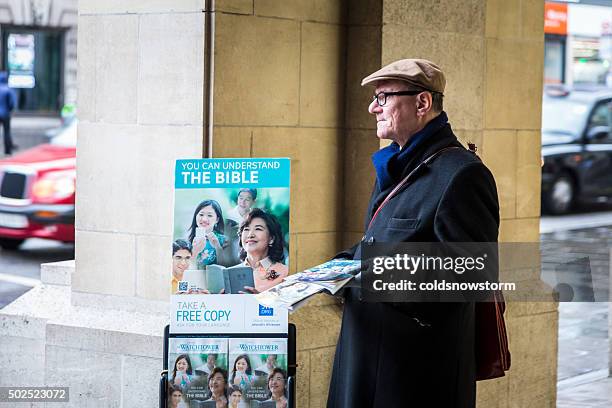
{"x":291,"y":359}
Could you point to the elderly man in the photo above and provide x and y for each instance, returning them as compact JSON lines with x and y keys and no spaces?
{"x":414,"y":354}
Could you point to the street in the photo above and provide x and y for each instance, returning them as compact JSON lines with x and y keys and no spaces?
{"x":20,"y":270}
{"x":583,"y":356}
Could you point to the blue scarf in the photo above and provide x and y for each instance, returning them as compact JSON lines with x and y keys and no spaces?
{"x":393,"y":157}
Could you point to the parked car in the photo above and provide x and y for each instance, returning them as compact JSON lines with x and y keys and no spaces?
{"x":576,"y":147}
{"x":37,"y":191}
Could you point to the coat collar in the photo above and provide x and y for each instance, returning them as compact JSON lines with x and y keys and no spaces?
{"x":444,"y":137}
{"x":440,"y":139}
{"x":389,"y":161}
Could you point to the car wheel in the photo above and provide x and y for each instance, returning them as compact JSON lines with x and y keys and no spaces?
{"x":561,"y":196}
{"x":10,"y":244}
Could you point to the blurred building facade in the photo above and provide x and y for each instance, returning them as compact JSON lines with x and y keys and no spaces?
{"x":266,"y":78}
{"x":38,"y":50}
{"x":578,"y":46}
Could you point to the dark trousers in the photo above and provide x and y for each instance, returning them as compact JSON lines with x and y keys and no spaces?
{"x":8,"y":141}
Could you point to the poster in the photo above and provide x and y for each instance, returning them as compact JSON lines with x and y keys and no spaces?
{"x":21,"y":58}
{"x":230,"y":241}
{"x":194,"y":364}
{"x":231,"y":225}
{"x":257,"y":373}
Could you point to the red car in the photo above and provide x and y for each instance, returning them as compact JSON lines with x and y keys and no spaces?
{"x":37,"y":191}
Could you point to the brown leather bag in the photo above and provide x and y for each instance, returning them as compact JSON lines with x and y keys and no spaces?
{"x":491,"y":339}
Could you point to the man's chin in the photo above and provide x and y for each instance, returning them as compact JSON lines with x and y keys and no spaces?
{"x":384,"y":139}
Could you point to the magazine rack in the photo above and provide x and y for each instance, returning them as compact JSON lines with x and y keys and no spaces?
{"x":291,"y":362}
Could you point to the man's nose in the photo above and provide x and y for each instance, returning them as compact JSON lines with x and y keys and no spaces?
{"x":374,"y":107}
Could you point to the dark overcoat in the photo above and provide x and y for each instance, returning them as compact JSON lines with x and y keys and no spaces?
{"x":417,"y":354}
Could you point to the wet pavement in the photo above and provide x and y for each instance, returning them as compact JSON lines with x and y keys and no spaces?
{"x":592,"y":394}
{"x":583,"y":357}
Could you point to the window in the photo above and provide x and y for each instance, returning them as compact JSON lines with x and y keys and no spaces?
{"x":599,"y":123}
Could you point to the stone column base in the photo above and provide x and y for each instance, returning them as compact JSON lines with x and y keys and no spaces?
{"x":107,"y":349}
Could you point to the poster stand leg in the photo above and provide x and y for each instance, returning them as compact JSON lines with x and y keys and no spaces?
{"x":163,"y":387}
{"x":291,"y":397}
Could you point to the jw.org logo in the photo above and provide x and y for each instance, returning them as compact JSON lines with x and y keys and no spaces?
{"x":266,"y":311}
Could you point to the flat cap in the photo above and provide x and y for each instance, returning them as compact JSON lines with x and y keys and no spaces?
{"x":418,"y":72}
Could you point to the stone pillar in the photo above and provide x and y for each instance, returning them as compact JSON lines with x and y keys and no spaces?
{"x":141,"y":106}
{"x":364,"y":56}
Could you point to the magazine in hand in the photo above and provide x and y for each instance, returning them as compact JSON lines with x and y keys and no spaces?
{"x":232,"y":279}
{"x":330,"y":277}
{"x":333,"y":270}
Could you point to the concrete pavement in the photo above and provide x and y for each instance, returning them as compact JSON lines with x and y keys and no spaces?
{"x":583,"y":358}
{"x":549,"y":224}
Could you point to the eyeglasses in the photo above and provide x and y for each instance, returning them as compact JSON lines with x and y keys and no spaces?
{"x":381,"y":97}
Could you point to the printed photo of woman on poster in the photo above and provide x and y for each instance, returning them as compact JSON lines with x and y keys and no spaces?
{"x":206,"y":233}
{"x":242,"y":373}
{"x":217,"y":383}
{"x":263,"y":249}
{"x":182,"y":372}
{"x":277,"y":381}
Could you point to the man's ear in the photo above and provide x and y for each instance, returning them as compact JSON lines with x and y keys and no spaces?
{"x":424,"y":103}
